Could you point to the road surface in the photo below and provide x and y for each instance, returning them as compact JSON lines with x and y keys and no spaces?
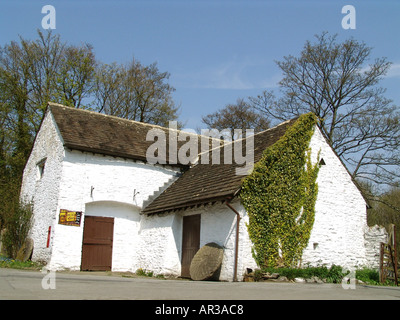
{"x":37,"y":285}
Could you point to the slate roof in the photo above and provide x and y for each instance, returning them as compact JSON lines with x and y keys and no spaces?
{"x":90,"y":131}
{"x":204,"y":183}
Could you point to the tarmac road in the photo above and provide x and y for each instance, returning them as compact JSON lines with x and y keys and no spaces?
{"x":37,"y":285}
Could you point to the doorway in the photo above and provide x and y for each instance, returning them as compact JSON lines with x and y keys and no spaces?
{"x":97,"y":243}
{"x":190,"y":242}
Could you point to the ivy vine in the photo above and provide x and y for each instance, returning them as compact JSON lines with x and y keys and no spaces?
{"x":280,"y":195}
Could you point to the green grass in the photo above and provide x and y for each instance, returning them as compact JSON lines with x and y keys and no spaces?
{"x":16,"y":264}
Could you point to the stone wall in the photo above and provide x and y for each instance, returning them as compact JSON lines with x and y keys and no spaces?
{"x":91,"y":178}
{"x":373,"y":238}
{"x":337,"y":236}
{"x":218,"y":225}
{"x":43,"y":189}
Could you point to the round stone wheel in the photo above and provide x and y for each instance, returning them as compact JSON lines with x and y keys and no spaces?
{"x":25,"y":252}
{"x":207,"y":262}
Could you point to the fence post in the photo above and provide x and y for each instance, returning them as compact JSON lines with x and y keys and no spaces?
{"x":381,"y":262}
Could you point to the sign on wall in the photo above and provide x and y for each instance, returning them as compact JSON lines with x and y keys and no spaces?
{"x":70,"y":218}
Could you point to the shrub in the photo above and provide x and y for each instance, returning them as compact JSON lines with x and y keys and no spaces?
{"x":368,"y":276}
{"x":332,"y":275}
{"x":18,"y":223}
{"x":335,"y":274}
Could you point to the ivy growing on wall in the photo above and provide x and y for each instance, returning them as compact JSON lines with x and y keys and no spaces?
{"x":280,"y":195}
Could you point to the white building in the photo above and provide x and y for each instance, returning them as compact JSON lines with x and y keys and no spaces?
{"x":100,"y":205}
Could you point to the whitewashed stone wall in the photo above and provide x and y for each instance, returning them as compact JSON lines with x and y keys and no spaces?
{"x":89,"y":178}
{"x":373,"y":238}
{"x":43,"y":191}
{"x":218,"y":224}
{"x":340,"y":214}
{"x":160,"y":244}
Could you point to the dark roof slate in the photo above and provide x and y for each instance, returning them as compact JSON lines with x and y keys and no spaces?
{"x":204,"y":183}
{"x":90,"y":131}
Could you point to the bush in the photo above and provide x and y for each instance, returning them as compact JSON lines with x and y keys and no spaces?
{"x":332,"y":275}
{"x":368,"y":276}
{"x":18,"y":223}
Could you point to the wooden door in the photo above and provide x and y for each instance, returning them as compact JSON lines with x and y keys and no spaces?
{"x":190,"y":242}
{"x":97,"y":243}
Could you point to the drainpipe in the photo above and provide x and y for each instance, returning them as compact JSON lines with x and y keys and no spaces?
{"x":237,"y":238}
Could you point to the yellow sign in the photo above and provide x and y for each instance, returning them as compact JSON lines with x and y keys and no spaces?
{"x":70,"y":218}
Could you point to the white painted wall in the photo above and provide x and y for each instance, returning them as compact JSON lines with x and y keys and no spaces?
{"x":160,"y":244}
{"x":88,"y":178}
{"x":217,"y":224}
{"x":373,"y":237}
{"x":43,"y":192}
{"x":340,"y":214}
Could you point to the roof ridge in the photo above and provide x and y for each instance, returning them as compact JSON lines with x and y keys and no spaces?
{"x":155,"y":126}
{"x":255,"y":134}
{"x":53,"y":104}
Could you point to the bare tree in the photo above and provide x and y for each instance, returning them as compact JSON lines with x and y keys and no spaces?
{"x":334,"y":81}
{"x":237,"y":116}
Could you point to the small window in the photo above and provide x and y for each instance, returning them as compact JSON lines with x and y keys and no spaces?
{"x":322,"y":162}
{"x":40,"y":168}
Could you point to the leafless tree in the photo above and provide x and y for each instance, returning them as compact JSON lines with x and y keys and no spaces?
{"x":333,"y":80}
{"x":237,"y":116}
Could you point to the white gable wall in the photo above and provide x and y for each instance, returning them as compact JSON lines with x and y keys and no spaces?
{"x":337,"y":236}
{"x":43,"y":191}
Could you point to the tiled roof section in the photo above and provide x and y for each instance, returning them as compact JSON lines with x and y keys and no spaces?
{"x":94,"y":132}
{"x":205,"y":183}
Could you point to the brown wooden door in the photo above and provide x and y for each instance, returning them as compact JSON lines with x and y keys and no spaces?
{"x":97,"y":243}
{"x":190,"y":242}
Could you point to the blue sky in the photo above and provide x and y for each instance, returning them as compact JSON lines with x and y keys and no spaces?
{"x":216,"y":51}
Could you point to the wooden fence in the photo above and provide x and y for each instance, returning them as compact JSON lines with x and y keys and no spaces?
{"x":388,"y":258}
